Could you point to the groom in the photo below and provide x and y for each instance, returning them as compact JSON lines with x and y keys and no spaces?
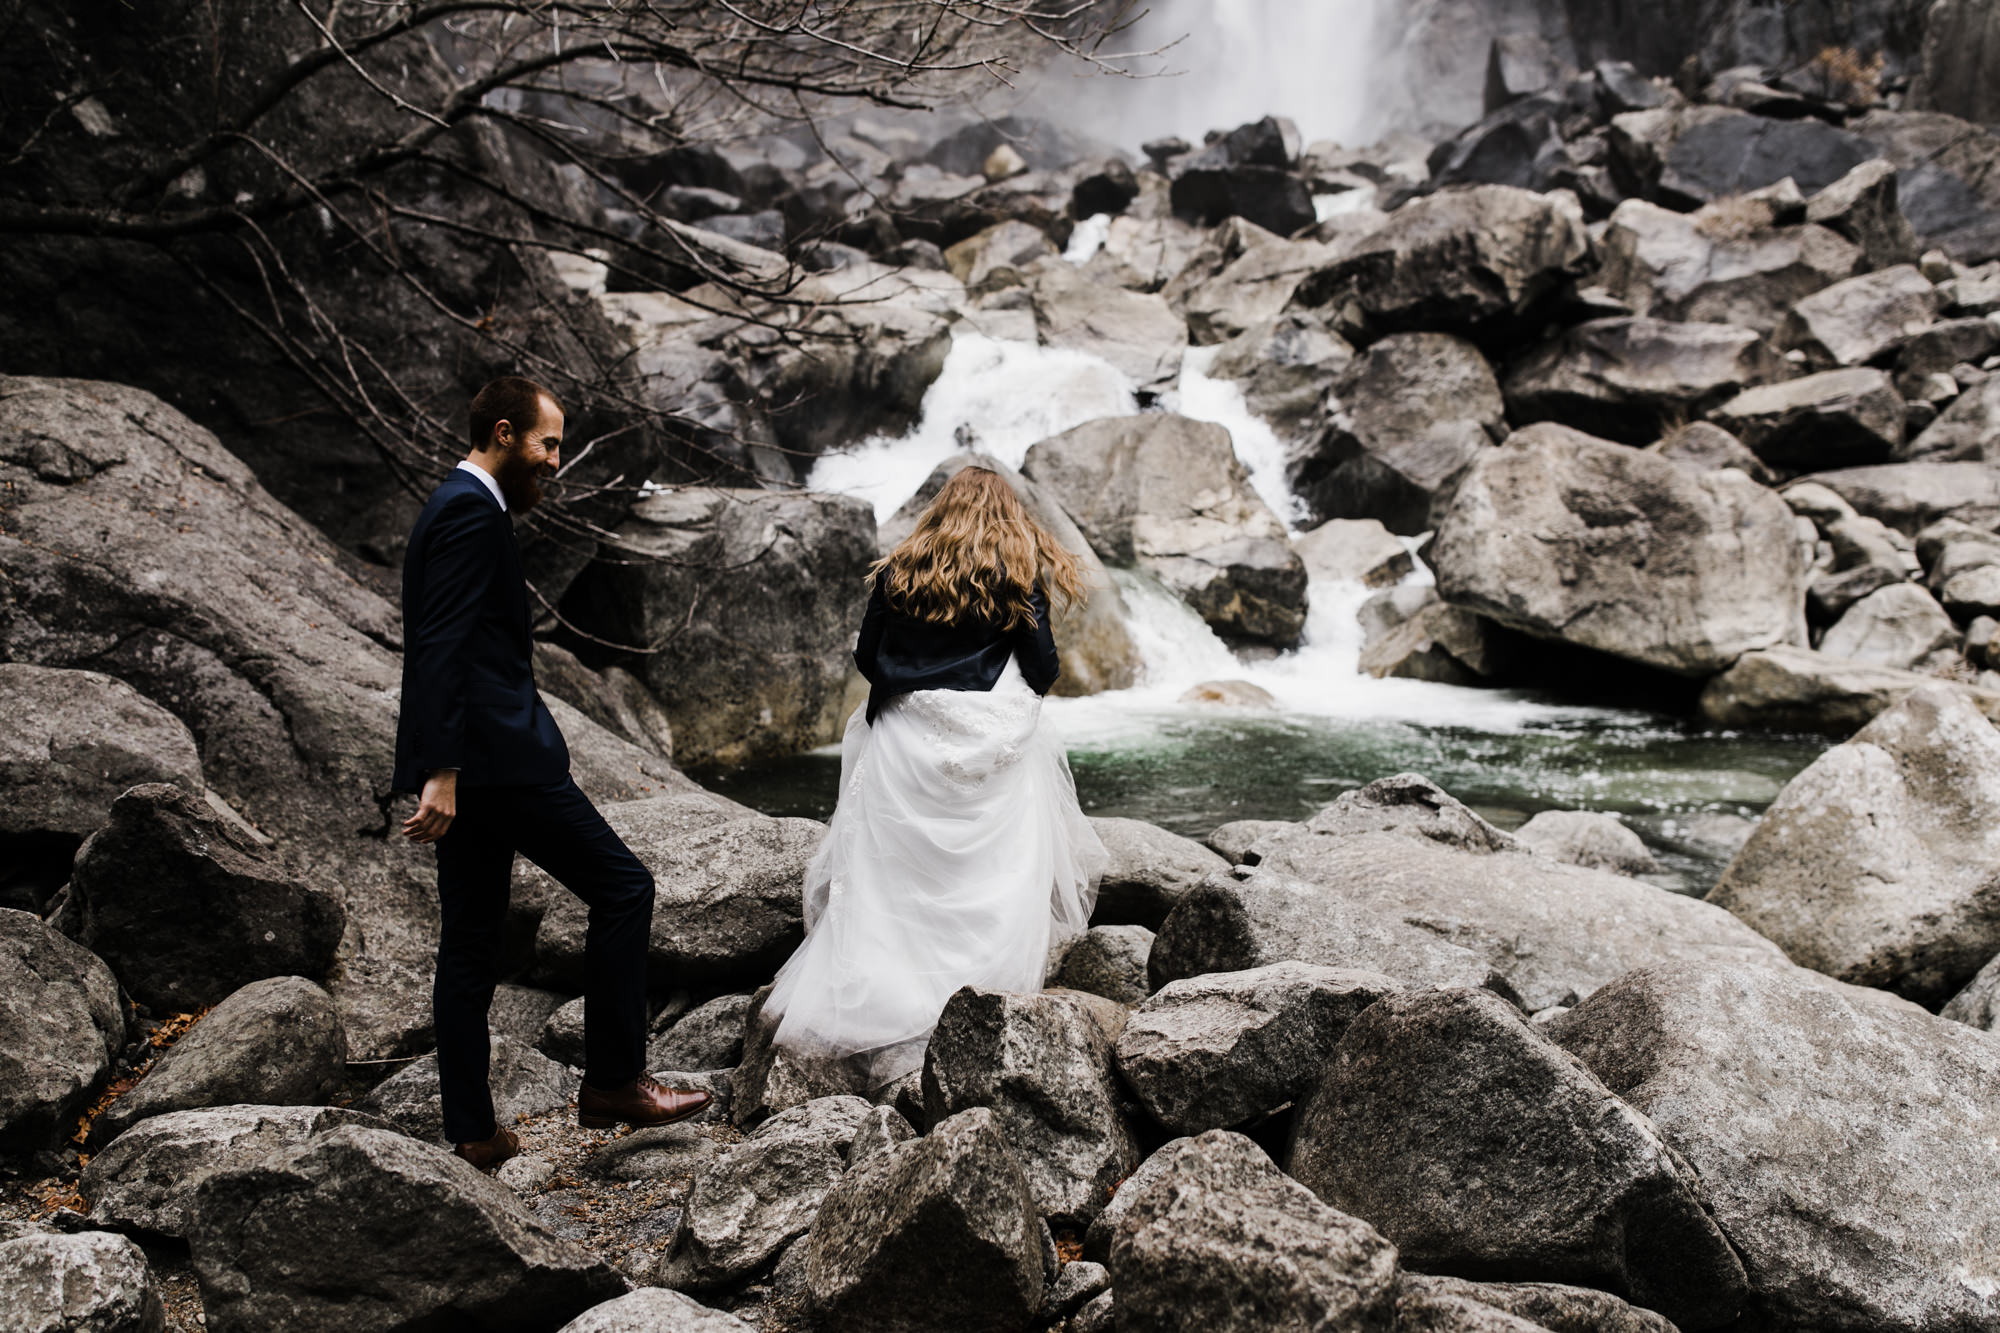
{"x":476,"y":740}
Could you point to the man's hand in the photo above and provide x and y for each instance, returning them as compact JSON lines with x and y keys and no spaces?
{"x":435,"y":808}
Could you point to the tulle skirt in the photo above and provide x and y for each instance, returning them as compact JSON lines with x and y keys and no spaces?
{"x":957,"y":856}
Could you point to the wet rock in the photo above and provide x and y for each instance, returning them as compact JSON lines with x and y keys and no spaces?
{"x":187,"y":907}
{"x":1358,"y":550}
{"x":727,"y":905}
{"x":709,"y":1036}
{"x":61,"y":1025}
{"x":1548,"y":1305}
{"x":1852,"y":1202}
{"x":1109,"y":189}
{"x":1589,"y":839}
{"x":1044,"y":1068}
{"x":1438,"y":643}
{"x":940,"y":1232}
{"x":273,"y":1043}
{"x":1837,"y":418}
{"x":1109,"y":961}
{"x":760,"y":665}
{"x":1425,"y":861}
{"x":1721,"y":265}
{"x":1221,"y":1240}
{"x":1407,"y":416}
{"x":74,"y":741}
{"x":1167,"y":494}
{"x":1098,"y":651}
{"x":1627,"y":379}
{"x":1898,"y":626}
{"x":1794,"y":689}
{"x":1875,"y":864}
{"x":655,"y":1310}
{"x":1284,"y":367}
{"x":1863,"y":207}
{"x":1576,"y":539}
{"x":524,"y":1082}
{"x":1149,"y":871}
{"x":1861,"y":319}
{"x":1458,"y":260}
{"x":362,"y":1229}
{"x":145,"y":1181}
{"x":1209,"y":1052}
{"x":1136,"y":332}
{"x":760,"y":1194}
{"x":1477,"y":1145}
{"x":91,"y":1282}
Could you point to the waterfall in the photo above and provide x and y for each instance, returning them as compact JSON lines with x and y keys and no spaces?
{"x":1000,"y":397}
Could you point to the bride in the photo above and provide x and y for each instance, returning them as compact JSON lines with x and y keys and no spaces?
{"x":957,"y":855}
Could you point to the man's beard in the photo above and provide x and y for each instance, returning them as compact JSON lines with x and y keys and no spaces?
{"x":521,"y":482}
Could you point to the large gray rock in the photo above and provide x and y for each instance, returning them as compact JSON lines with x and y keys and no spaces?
{"x":1843,"y":1135}
{"x":1861,"y":319}
{"x":1042,"y":1065}
{"x":90,"y":1282}
{"x":1219,"y":1240}
{"x":146,"y":1180}
{"x":523,"y":1080}
{"x":1213,"y":1051}
{"x":1456,"y":259}
{"x":1795,"y":689}
{"x":74,"y":741}
{"x":1877,"y":864}
{"x":1610,"y":548}
{"x":1405,"y":418}
{"x":940,"y":1232}
{"x":1863,"y":207}
{"x":709,"y":1036}
{"x":1897,"y":626}
{"x":249,"y":627}
{"x":1423,"y":861}
{"x":187,"y":907}
{"x":1909,"y":497}
{"x":655,"y":1310}
{"x":1355,"y":550}
{"x":1166,"y":493}
{"x":1436,"y":642}
{"x":1548,"y":1305}
{"x":1721,"y":265}
{"x":362,"y":1229}
{"x":1138,"y":333}
{"x":1968,"y":430}
{"x":1587,"y":838}
{"x":273,"y":1043}
{"x":1249,"y":290}
{"x":1148,"y":871}
{"x":1628,"y":379}
{"x":1837,"y":418}
{"x":1476,"y":1145}
{"x":1705,"y":446}
{"x":1284,"y":367}
{"x":1098,"y":651}
{"x":728,"y":902}
{"x":61,"y":1026}
{"x":1978,"y":1005}
{"x":760,"y":1194}
{"x":749,"y":600}
{"x":1109,"y":961}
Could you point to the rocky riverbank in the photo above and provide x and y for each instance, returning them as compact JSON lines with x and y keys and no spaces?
{"x":1694,"y":384}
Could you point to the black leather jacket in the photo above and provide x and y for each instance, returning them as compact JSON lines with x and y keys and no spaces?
{"x":899,"y":653}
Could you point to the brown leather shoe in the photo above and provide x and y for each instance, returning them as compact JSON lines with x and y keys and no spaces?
{"x":487,"y":1154}
{"x":640,"y":1102}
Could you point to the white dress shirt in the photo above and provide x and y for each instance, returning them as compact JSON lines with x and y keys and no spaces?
{"x":485,"y":478}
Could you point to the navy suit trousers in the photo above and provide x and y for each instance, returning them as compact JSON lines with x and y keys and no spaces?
{"x":557,"y":828}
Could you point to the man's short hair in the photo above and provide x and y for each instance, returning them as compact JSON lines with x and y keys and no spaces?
{"x":509,"y":398}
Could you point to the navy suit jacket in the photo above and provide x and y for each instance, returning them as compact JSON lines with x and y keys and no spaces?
{"x":469,"y":697}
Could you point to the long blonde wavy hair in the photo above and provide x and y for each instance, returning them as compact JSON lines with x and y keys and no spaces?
{"x":976,"y":554}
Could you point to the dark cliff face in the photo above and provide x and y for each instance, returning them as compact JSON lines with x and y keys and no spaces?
{"x":272,"y":329}
{"x":1660,"y":35}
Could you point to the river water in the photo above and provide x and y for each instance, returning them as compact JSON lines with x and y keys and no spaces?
{"x":1190,"y":767}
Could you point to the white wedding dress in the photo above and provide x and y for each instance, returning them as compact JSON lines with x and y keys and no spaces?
{"x":957,"y":856}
